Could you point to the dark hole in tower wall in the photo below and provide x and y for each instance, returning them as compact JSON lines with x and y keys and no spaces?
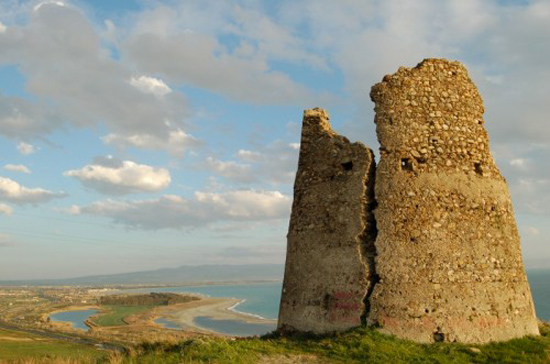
{"x":347,"y":166}
{"x":439,"y":336}
{"x":478,"y":169}
{"x":406,"y":164}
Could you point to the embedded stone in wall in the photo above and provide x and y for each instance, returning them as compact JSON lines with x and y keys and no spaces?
{"x":448,"y":250}
{"x":331,"y":234}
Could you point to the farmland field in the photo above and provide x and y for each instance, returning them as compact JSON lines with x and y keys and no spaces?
{"x":116,"y":314}
{"x":16,"y":346}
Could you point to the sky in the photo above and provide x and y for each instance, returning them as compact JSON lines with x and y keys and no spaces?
{"x":141,"y":134}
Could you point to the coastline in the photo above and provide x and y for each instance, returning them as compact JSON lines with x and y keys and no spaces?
{"x":214,"y":308}
{"x":234,"y":309}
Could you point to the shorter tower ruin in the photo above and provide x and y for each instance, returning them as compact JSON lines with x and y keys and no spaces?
{"x":331,"y":233}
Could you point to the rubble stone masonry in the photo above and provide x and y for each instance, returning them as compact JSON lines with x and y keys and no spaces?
{"x":425,"y":245}
{"x":449,"y":256}
{"x":331,"y":233}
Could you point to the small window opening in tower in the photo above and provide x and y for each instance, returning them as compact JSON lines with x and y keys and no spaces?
{"x":406,"y":164}
{"x":478,"y":169}
{"x":347,"y":166}
{"x":439,"y":336}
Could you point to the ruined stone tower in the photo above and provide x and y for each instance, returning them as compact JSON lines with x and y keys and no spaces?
{"x":331,"y":233}
{"x":449,"y":256}
{"x":440,"y":259}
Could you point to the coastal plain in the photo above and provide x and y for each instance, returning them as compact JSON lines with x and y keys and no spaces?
{"x":38,"y":308}
{"x":30,"y":338}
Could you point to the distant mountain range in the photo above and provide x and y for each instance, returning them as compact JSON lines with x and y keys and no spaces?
{"x":183,"y":275}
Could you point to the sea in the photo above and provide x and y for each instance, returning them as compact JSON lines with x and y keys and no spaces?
{"x":262,"y":300}
{"x":539,"y":280}
{"x":259,"y":299}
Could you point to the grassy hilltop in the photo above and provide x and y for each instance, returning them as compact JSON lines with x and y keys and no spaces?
{"x":356,"y":346}
{"x":361,"y":345}
{"x":17,"y":347}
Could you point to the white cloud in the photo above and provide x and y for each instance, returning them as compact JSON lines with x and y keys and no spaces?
{"x":22,"y":118}
{"x":529,"y":182}
{"x":46,"y":3}
{"x":295,"y":146}
{"x":532,"y":230}
{"x":3,"y":28}
{"x":273,"y":39}
{"x":274,"y":163}
{"x":518,"y":162}
{"x":72,"y":210}
{"x":246,"y":204}
{"x":185,"y":44}
{"x":531,"y":195}
{"x":150,"y":85}
{"x":110,"y":32}
{"x":11,"y":191}
{"x":521,"y":167}
{"x":6,"y":241}
{"x":25,"y":148}
{"x":114,"y":177}
{"x":17,"y":168}
{"x":257,"y":254}
{"x":231,"y":170}
{"x":200,"y":60}
{"x":5,"y":209}
{"x":73,"y":80}
{"x":249,"y":156}
{"x":204,"y":209}
{"x":177,"y":142}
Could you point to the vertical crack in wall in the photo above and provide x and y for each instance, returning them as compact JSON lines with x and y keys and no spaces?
{"x":368,"y":239}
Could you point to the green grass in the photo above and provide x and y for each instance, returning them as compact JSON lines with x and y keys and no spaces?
{"x":361,"y":345}
{"x":32,"y":346}
{"x":116,"y":314}
{"x":357,"y":346}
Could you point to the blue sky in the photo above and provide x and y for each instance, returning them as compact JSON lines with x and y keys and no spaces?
{"x":143,"y":134}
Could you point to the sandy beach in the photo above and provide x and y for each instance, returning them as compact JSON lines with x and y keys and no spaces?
{"x":183,"y":314}
{"x":215,"y":308}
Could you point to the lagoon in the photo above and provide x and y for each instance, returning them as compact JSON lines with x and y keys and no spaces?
{"x":76,"y":318}
{"x":168,"y":323}
{"x":234,"y":327}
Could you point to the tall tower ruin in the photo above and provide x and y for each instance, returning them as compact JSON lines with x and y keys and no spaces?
{"x":331,"y":233}
{"x":449,"y":256}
